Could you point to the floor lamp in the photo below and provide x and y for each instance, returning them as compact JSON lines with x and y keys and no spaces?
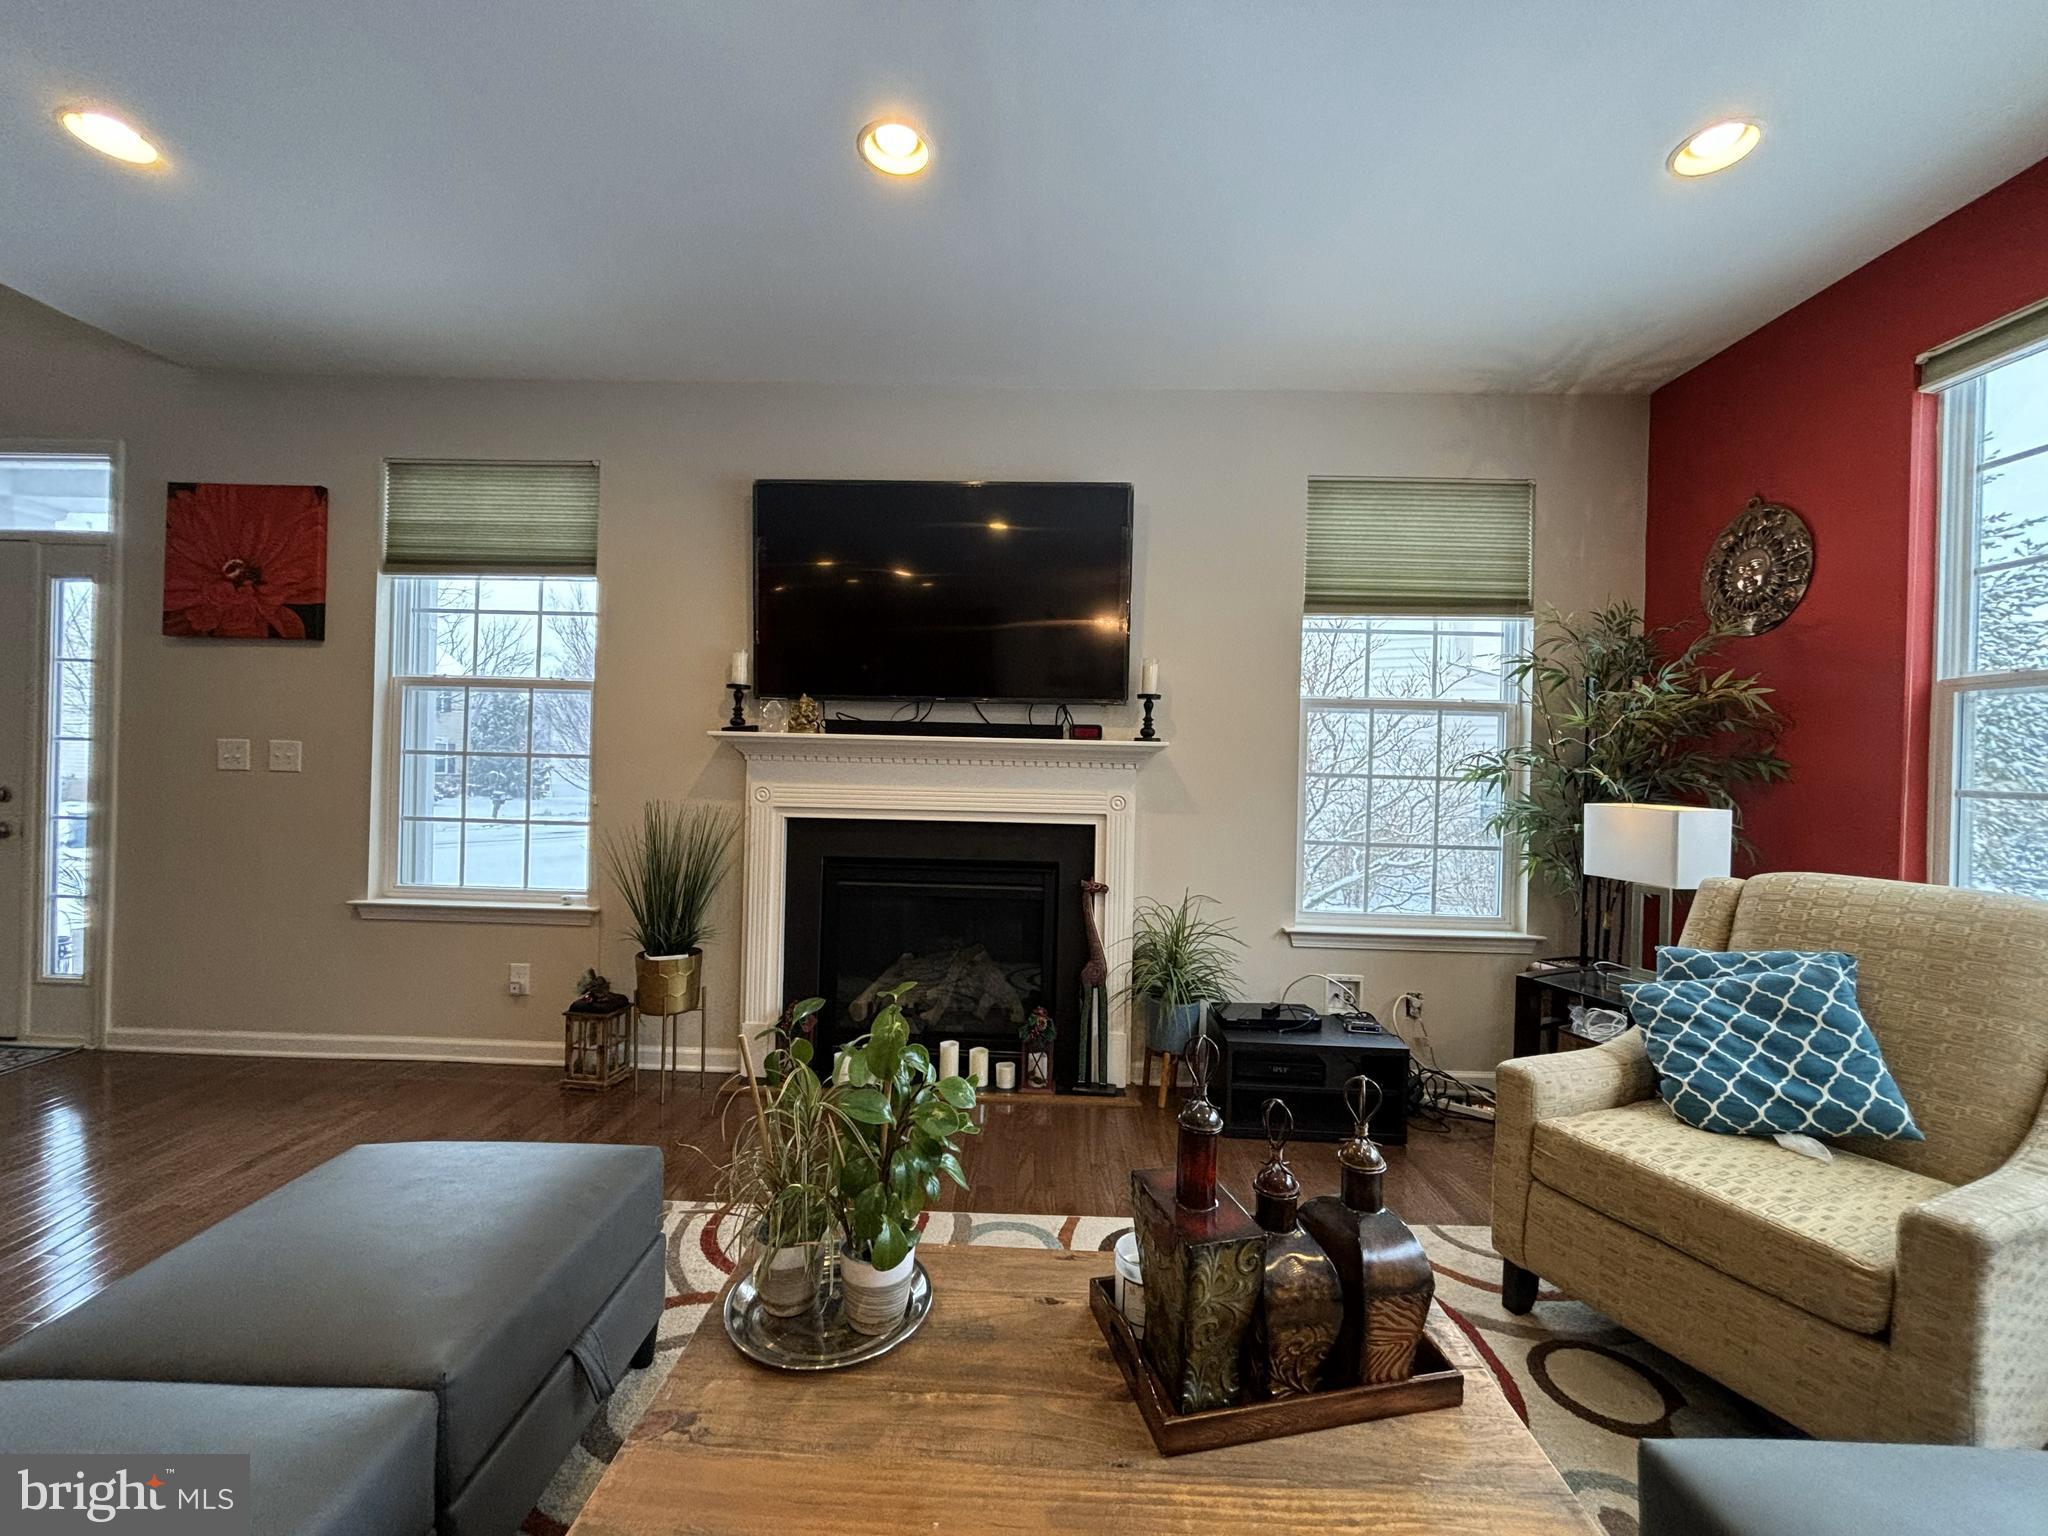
{"x":1668,"y":848}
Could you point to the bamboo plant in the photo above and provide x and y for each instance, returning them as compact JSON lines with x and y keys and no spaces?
{"x":1623,"y":713}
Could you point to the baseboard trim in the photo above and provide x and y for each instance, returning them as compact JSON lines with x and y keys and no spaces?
{"x":448,"y":1048}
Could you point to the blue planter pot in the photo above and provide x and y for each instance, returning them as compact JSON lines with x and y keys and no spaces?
{"x":1170,"y":1029}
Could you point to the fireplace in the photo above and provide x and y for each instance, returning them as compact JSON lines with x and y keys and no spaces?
{"x":985,"y":918}
{"x":951,"y":794}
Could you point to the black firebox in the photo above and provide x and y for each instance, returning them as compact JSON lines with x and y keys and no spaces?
{"x":985,"y":918}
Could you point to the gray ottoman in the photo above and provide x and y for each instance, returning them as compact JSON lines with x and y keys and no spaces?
{"x":323,"y":1461}
{"x":516,"y":1281}
{"x":1824,"y":1488}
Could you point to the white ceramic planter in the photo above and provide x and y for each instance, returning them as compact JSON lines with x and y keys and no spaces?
{"x":874,"y":1299}
{"x":1130,"y":1283}
{"x":788,"y":1280}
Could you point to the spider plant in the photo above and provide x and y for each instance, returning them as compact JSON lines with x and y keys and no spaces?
{"x":668,"y":869}
{"x":778,"y":1178}
{"x":1179,"y":957}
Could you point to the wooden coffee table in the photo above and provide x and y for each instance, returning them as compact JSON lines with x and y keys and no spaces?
{"x":1006,"y":1413}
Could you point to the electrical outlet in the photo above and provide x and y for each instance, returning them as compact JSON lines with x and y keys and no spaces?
{"x":285,"y":756}
{"x":231,"y":754}
{"x":519,"y":980}
{"x":1334,"y":986}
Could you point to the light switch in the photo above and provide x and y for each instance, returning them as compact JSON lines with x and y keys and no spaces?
{"x":284,"y":756}
{"x":231,"y":753}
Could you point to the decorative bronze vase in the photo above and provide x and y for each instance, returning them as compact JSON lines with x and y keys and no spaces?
{"x":1201,"y":1256}
{"x":1301,"y":1304}
{"x":1387,"y":1278}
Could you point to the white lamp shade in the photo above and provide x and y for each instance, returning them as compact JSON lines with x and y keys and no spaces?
{"x":1673,"y":847}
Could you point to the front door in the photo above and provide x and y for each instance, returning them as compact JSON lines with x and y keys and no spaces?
{"x":17,"y":753}
{"x":54,"y":702}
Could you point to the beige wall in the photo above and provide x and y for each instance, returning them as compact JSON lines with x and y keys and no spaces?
{"x":231,"y":888}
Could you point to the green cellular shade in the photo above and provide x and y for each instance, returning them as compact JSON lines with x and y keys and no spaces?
{"x":1419,"y":546}
{"x":472,"y":517}
{"x":1991,"y":346}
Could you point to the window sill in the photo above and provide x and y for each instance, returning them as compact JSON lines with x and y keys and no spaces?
{"x":424,"y":909}
{"x":1472,"y":941}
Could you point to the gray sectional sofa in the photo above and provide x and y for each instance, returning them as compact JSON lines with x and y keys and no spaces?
{"x":460,"y":1309}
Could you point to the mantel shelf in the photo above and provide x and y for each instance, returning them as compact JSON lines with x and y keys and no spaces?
{"x":828,"y":746}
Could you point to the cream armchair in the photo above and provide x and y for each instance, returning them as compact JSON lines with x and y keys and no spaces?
{"x":1897,"y":1293}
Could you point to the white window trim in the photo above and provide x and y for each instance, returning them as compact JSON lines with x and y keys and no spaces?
{"x":1503,"y":934}
{"x":570,"y":912}
{"x":1956,"y":512}
{"x":386,"y":899}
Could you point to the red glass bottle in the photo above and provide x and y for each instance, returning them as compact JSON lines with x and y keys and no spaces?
{"x":1201,"y":1127}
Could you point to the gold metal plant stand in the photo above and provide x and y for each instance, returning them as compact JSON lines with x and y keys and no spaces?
{"x":671,"y":1045}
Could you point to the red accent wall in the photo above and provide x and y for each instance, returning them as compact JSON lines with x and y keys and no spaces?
{"x":1818,"y":410}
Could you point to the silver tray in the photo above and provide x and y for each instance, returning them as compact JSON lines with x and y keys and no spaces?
{"x":821,"y":1339}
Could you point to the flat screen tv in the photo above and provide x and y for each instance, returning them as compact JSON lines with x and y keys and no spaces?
{"x":917,"y":589}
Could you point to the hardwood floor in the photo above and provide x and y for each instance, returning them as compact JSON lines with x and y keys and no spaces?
{"x":108,"y":1159}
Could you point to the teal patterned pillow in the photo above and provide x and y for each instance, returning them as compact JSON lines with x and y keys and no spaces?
{"x":1767,"y":1043}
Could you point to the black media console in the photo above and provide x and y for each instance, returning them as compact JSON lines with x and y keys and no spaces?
{"x":1309,"y":1069}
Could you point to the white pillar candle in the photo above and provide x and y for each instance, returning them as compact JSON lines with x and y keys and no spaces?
{"x":1148,"y":680}
{"x":949,"y":1058}
{"x":739,"y":671}
{"x":977,"y":1065}
{"x":1006,"y":1075}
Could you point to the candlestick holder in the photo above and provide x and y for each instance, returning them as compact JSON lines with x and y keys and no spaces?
{"x":738,"y":722}
{"x":1148,"y":734}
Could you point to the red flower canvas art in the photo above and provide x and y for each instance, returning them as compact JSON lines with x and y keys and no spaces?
{"x":246,"y":562}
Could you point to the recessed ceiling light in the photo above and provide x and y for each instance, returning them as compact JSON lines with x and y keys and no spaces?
{"x":1716,"y":148}
{"x":894,"y":148}
{"x":111,"y":136}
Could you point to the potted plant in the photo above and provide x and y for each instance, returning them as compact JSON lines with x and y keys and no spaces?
{"x":902,"y":1118}
{"x":778,"y":1178}
{"x":1622,"y":713}
{"x":1180,"y":960}
{"x":667,"y":870}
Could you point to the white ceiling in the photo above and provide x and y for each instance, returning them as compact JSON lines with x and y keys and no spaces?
{"x":1348,"y":194}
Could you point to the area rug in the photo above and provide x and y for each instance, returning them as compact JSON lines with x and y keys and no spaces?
{"x":1587,"y":1389}
{"x":14,"y":1057}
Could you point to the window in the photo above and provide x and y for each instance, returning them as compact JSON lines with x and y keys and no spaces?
{"x":1416,"y":602}
{"x":1989,"y":810}
{"x":1390,"y":707}
{"x":71,"y":687}
{"x":56,"y":492}
{"x":490,"y":701}
{"x":485,"y":769}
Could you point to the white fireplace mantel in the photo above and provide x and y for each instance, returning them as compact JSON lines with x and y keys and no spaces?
{"x":935,"y":778}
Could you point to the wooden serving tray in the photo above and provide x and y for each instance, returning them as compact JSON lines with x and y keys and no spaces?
{"x":1435,"y":1384}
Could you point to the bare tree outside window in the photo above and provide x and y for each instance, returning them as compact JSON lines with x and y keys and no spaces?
{"x":68,"y":809}
{"x":492,"y":690}
{"x":1996,"y":602}
{"x":1392,"y":707}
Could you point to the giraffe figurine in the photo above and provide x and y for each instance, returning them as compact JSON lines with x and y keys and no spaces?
{"x":1094,"y":996}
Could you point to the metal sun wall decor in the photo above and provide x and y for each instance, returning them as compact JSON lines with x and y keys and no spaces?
{"x":1758,"y":569}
